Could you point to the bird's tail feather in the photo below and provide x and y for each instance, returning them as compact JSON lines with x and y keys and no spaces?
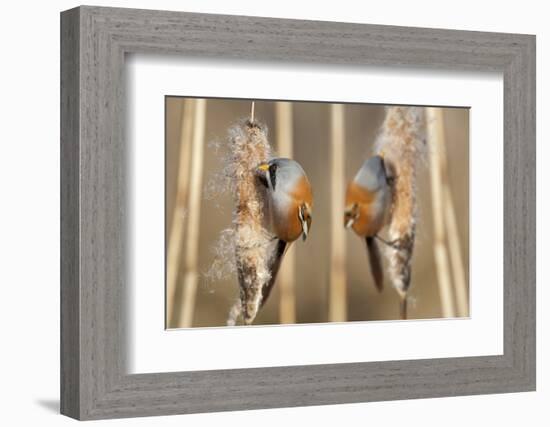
{"x":375,"y":260}
{"x":274,"y":265}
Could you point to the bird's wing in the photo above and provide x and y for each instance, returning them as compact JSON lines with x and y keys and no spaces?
{"x":274,"y":265}
{"x":375,"y":260}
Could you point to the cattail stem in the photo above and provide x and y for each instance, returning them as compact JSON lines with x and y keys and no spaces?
{"x":190,"y":280}
{"x":338,"y":291}
{"x":403,"y":302}
{"x":252,"y":112}
{"x":175,"y":240}
{"x":436,"y":141}
{"x":286,"y":281}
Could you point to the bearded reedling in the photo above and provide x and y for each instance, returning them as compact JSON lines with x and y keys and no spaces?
{"x":290,"y":208}
{"x":368,"y":199}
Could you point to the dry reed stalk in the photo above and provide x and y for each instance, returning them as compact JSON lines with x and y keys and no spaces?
{"x":175,"y":239}
{"x":453,"y":237}
{"x":249,"y":147}
{"x":286,"y":281}
{"x":401,"y":141}
{"x":191,"y":277}
{"x":436,"y":137}
{"x":338,"y":291}
{"x":457,"y":265}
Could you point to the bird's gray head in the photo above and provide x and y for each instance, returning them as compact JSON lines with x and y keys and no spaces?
{"x":280,"y":174}
{"x":372,"y":175}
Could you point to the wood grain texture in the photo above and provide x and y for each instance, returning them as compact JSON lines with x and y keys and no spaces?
{"x":70,"y":221}
{"x":94,"y":236}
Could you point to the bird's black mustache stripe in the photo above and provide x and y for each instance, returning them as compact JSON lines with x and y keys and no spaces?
{"x":273,"y":175}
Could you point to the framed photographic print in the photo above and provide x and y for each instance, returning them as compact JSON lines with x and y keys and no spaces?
{"x":262,"y":213}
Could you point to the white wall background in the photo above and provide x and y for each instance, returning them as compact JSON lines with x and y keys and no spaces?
{"x":29,"y":212}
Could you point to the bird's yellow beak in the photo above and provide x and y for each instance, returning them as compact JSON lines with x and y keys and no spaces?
{"x":263,"y":167}
{"x":381,"y":154}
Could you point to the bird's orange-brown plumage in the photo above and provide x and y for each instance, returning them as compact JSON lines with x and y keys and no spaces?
{"x":367,"y":223}
{"x":361,"y":206}
{"x":291,"y":229}
{"x":288,"y":226}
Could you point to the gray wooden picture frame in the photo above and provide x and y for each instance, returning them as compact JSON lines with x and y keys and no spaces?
{"x":94,"y":41}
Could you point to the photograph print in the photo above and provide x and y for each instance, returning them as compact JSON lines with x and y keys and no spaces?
{"x":293,"y":212}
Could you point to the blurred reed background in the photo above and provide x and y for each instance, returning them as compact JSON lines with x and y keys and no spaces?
{"x":330,"y":142}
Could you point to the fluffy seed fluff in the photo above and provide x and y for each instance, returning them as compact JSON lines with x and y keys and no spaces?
{"x":249,"y":238}
{"x":402,"y":142}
